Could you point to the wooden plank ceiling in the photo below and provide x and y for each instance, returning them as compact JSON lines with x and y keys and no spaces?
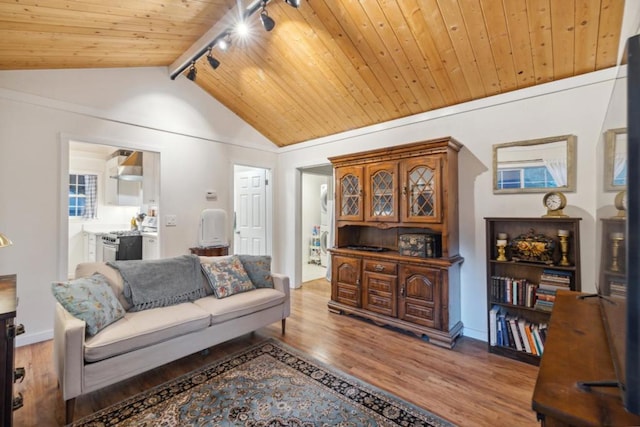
{"x":329,"y":65}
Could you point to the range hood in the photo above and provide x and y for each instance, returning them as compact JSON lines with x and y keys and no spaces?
{"x":131,"y":168}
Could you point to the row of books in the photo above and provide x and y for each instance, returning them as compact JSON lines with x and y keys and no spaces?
{"x":507,"y":330}
{"x":513,"y":291}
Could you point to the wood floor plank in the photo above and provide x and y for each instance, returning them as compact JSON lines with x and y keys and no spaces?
{"x":466,"y":385}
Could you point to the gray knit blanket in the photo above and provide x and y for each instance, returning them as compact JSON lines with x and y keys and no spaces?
{"x":160,"y":282}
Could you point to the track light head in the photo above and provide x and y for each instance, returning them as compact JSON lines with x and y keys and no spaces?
{"x":212,"y":61}
{"x":191,"y":74}
{"x":293,"y":3}
{"x":267,"y":22}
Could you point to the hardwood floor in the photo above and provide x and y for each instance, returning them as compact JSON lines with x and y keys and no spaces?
{"x":466,"y":385}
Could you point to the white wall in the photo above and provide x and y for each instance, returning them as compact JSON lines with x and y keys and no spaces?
{"x":573,"y":106}
{"x":40,"y":111}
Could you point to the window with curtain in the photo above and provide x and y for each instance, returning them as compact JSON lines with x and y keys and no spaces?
{"x":83,"y":191}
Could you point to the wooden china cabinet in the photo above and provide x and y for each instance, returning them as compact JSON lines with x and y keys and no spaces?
{"x":382,"y":197}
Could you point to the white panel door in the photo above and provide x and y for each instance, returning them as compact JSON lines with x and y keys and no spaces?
{"x":250,"y":232}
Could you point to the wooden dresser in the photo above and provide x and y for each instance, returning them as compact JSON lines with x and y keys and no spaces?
{"x":384,"y":199}
{"x":576,"y":350}
{"x":8,"y":332}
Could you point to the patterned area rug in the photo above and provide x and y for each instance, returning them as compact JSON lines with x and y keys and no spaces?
{"x":267,"y":385}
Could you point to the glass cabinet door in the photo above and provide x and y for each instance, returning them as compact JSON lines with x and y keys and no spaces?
{"x":421,"y":190}
{"x":349,"y":194}
{"x":381,"y":195}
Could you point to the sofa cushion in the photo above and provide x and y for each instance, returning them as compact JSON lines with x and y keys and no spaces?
{"x":86,"y":269}
{"x":144,"y":328}
{"x":90,"y":299}
{"x":241,"y":304}
{"x":227,"y":277}
{"x":258,"y":267}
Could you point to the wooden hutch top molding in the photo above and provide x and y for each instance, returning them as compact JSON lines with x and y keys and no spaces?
{"x":421,"y":148}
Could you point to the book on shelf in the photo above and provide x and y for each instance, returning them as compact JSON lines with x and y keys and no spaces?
{"x":543,"y":305}
{"x":493,"y":325}
{"x":617,"y":288}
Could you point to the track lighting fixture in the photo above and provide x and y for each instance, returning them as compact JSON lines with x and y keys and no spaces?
{"x":212,"y":61}
{"x":223,"y":40}
{"x":191,"y":75}
{"x":267,"y":22}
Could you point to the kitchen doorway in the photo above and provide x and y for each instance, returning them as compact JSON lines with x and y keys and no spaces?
{"x":115,"y":211}
{"x":252,"y":193}
{"x":316,"y":221}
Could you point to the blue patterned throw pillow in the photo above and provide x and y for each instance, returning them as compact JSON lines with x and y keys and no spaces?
{"x":258,"y":268}
{"x":90,"y":299}
{"x":227,"y":277}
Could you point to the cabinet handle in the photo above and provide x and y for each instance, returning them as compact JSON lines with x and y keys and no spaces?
{"x":15,"y":330}
{"x":18,"y":401}
{"x":18,"y":374}
{"x":358,"y":282}
{"x":404,"y":191}
{"x":379,"y":267}
{"x":402,"y":291}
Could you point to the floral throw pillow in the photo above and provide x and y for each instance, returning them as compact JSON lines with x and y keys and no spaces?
{"x":90,"y":299}
{"x":258,"y":268}
{"x":227,"y":277}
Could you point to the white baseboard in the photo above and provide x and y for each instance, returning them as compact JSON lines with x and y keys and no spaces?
{"x":27,"y":339}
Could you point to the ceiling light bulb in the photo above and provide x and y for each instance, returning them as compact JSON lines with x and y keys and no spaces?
{"x":267,"y":22}
{"x":294,"y":3}
{"x":242,"y":29}
{"x":224,"y":43}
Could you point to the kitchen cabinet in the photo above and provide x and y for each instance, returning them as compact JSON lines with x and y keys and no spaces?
{"x":381,"y":197}
{"x":90,"y":246}
{"x":120,"y":192}
{"x":150,"y":178}
{"x":150,"y":246}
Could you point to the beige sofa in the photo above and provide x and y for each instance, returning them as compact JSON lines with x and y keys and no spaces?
{"x":143,"y":340}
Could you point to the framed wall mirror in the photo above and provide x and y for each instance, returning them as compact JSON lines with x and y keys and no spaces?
{"x":615,"y":166}
{"x":535,"y":166}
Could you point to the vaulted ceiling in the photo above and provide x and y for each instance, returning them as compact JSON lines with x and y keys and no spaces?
{"x":330,"y":65}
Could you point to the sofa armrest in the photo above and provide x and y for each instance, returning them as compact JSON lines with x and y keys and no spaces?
{"x":68,"y":351}
{"x":281,"y":283}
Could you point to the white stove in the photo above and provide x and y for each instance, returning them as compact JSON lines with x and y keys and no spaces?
{"x":122,"y":245}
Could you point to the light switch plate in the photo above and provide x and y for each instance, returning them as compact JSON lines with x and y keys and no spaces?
{"x":170,"y":220}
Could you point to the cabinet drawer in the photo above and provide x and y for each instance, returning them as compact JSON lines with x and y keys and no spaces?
{"x":380,"y":293}
{"x":380,"y":267}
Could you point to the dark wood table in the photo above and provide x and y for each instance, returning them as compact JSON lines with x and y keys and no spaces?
{"x":210,"y":250}
{"x":577,"y":350}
